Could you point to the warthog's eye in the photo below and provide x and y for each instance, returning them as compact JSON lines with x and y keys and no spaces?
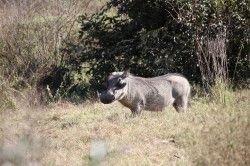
{"x":120,"y":84}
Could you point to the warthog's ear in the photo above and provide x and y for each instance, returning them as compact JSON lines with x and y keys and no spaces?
{"x":125,"y":74}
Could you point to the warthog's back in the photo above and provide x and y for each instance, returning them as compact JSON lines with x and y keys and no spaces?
{"x":180,"y":85}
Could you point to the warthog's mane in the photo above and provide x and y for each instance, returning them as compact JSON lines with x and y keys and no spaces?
{"x":115,"y":74}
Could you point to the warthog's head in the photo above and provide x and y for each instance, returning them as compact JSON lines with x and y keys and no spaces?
{"x":116,"y":87}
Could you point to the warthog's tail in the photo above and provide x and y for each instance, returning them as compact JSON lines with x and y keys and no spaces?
{"x":188,"y":95}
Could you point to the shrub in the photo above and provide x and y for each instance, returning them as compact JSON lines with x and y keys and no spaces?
{"x":155,"y":37}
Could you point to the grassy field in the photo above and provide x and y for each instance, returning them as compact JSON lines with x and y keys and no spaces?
{"x":212,"y":132}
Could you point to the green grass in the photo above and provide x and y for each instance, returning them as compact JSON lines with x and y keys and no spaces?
{"x":212,"y":132}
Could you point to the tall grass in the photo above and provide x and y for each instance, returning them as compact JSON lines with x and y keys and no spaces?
{"x":31,"y":36}
{"x":5,"y":100}
{"x":212,"y":59}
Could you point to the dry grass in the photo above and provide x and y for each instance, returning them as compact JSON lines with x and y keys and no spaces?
{"x":211,"y":133}
{"x":32,"y":34}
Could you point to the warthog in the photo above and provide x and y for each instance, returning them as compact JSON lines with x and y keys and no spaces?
{"x":152,"y":94}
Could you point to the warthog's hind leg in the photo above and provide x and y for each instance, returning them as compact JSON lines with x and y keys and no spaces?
{"x":180,"y":104}
{"x":137,"y":110}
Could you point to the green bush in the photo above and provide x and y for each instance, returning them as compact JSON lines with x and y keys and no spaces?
{"x":66,"y":83}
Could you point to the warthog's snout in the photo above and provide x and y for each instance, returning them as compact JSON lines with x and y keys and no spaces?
{"x":106,"y":97}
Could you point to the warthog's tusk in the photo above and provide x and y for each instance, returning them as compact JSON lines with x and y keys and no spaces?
{"x":98,"y":94}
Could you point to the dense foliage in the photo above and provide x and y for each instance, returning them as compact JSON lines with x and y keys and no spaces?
{"x":155,"y":37}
